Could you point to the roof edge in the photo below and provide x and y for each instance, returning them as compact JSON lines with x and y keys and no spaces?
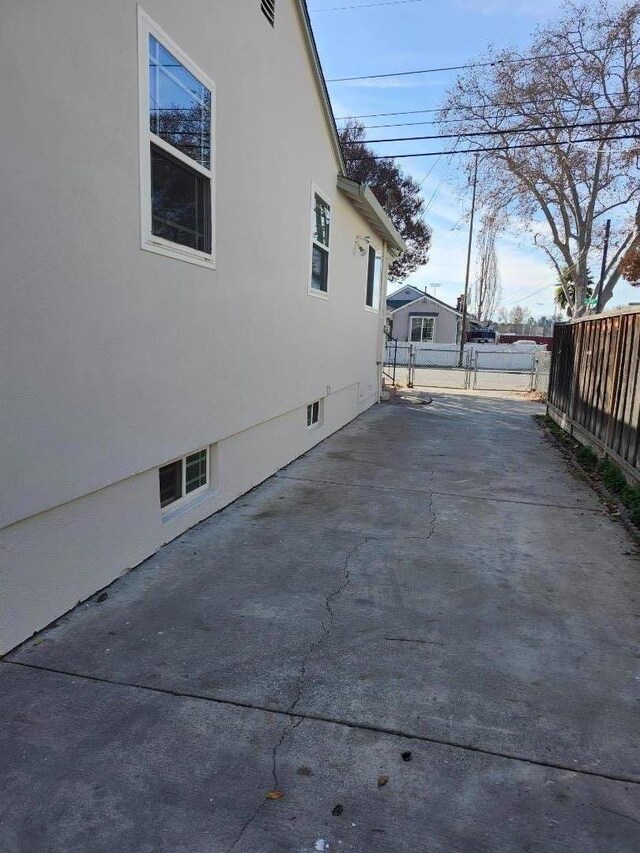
{"x":363,"y":196}
{"x":305,"y":20}
{"x":426,"y":296}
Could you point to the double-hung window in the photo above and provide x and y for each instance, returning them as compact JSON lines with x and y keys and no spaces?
{"x":423,"y":329}
{"x":374,"y":279}
{"x":320,"y":227}
{"x":176,"y":150}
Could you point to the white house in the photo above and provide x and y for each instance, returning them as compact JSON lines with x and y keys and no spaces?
{"x":190,"y":285}
{"x":421,"y":318}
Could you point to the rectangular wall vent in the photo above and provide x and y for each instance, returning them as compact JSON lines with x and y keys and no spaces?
{"x":269,"y":10}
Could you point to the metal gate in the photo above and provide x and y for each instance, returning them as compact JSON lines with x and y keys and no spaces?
{"x":504,"y":371}
{"x":439,"y":368}
{"x":414,"y":366}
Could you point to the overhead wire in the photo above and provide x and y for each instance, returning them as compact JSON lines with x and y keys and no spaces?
{"x":487,"y":64}
{"x":458,"y":120}
{"x":534,"y":101}
{"x":505,"y":131}
{"x":366,"y":6}
{"x":495,"y":148}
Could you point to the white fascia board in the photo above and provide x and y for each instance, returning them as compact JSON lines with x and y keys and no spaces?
{"x":368,"y":205}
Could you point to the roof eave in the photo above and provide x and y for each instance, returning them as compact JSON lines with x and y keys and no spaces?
{"x":370,"y":208}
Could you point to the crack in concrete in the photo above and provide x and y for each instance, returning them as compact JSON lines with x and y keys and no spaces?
{"x":467,"y":496}
{"x":296,"y":720}
{"x":323,"y":718}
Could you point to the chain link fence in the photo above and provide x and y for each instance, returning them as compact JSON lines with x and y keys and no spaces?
{"x":481,"y":369}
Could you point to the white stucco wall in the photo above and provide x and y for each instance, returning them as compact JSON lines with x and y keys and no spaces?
{"x":116,"y":360}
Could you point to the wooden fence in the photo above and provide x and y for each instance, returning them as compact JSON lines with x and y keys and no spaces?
{"x":594,"y":387}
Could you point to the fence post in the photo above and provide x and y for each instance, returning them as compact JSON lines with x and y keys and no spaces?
{"x":395,"y":360}
{"x":615,"y":380}
{"x":411,"y":362}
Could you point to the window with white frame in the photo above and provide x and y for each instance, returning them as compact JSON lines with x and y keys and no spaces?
{"x":374,"y":279}
{"x":423,"y":329}
{"x":320,"y":227}
{"x":314,"y":414}
{"x":184,"y":477}
{"x":176,"y":150}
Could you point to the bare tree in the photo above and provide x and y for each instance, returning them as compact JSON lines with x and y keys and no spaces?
{"x":582,"y":83}
{"x":487,"y":291}
{"x":519,"y":317}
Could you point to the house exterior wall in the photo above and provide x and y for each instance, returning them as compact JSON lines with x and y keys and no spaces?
{"x":117,"y":360}
{"x":446,"y":321}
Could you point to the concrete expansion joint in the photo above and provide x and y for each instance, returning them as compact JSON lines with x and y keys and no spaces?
{"x":362,"y":726}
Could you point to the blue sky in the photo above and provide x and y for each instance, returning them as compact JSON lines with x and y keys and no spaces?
{"x":411,"y":35}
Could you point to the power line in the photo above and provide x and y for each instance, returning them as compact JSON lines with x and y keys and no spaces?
{"x":495,"y":132}
{"x":534,"y":101}
{"x":457,"y":120}
{"x":496,"y":148}
{"x":365,"y":6}
{"x":518,"y":60}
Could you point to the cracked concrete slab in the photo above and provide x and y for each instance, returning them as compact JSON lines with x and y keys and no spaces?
{"x":432,"y":572}
{"x":101,"y":768}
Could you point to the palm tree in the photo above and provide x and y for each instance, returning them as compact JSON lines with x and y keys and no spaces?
{"x":565,"y":292}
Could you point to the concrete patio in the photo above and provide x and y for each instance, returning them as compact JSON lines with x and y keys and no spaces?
{"x":431,"y":581}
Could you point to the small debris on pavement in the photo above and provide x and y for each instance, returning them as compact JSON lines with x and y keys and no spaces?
{"x":102,"y":597}
{"x":382,"y":780}
{"x":304,"y":771}
{"x":275,"y":795}
{"x":406,"y":756}
{"x":336,"y":811}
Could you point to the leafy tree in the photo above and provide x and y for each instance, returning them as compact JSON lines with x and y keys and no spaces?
{"x":584,"y":71}
{"x":630,"y":266}
{"x":397,"y":192}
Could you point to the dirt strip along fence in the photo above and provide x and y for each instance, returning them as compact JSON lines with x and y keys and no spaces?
{"x":594,"y":387}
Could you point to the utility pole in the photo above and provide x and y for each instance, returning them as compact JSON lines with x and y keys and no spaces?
{"x":463,"y":332}
{"x":605,"y":252}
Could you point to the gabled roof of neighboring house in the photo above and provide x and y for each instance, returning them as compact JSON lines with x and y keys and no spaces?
{"x":359,"y":194}
{"x":394,"y":301}
{"x":425,"y":296}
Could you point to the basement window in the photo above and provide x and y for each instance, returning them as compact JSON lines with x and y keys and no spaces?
{"x":176,"y":156}
{"x":184,"y":477}
{"x":269,"y":10}
{"x":314,"y":414}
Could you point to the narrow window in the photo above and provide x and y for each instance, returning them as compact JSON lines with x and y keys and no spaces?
{"x":176,"y":152}
{"x":313,"y":414}
{"x":269,"y":10}
{"x":321,"y":222}
{"x":184,"y":477}
{"x":371,"y":271}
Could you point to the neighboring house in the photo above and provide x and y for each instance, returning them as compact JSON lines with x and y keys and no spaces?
{"x":191,"y":292}
{"x":415,"y":316}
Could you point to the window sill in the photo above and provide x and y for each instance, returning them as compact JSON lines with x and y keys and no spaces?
{"x":371,"y":310}
{"x":190,"y":256}
{"x":319,"y":294}
{"x":185,"y":505}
